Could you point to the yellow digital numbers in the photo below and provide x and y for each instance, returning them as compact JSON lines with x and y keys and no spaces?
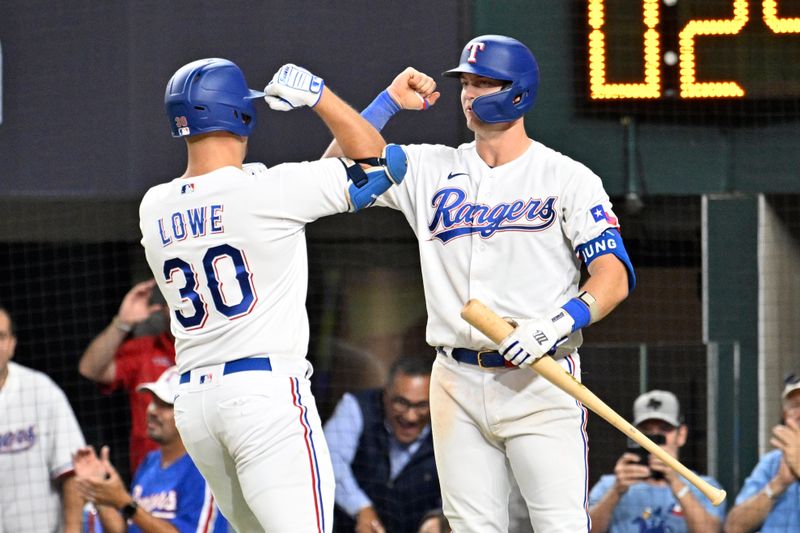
{"x":776,"y":23}
{"x":689,"y":87}
{"x":599,"y":87}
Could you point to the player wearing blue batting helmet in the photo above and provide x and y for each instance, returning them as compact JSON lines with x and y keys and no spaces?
{"x":210,"y":95}
{"x":504,"y":59}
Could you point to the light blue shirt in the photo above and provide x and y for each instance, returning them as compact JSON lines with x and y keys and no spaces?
{"x":785,"y":513}
{"x":646,"y":508}
{"x":343,"y":431}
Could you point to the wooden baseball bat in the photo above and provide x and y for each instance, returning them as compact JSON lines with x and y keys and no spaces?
{"x":493,"y":326}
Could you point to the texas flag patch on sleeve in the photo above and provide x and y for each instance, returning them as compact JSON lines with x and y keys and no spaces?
{"x":599,"y":214}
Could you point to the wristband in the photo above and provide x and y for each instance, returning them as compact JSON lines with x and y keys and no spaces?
{"x":380,"y":110}
{"x":122,"y":326}
{"x":580,"y":309}
{"x":683,"y":492}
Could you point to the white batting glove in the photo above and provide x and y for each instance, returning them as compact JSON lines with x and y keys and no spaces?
{"x":292,"y":87}
{"x":536,"y":337}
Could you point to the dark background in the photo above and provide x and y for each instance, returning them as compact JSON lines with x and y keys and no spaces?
{"x":84,"y":81}
{"x":84,"y":134}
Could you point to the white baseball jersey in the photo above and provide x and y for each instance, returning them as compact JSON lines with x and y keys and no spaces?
{"x":228,"y":251}
{"x":505,"y":235}
{"x":38,"y":434}
{"x":508,"y":237}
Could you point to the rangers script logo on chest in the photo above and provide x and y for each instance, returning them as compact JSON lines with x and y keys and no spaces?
{"x":454,"y":216}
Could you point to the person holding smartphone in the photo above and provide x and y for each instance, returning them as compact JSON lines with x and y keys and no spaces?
{"x":643,"y":493}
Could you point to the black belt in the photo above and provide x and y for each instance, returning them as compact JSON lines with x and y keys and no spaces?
{"x":481,"y":358}
{"x":238,"y":365}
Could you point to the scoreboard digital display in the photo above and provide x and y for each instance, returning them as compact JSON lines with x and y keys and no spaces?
{"x":684,"y":51}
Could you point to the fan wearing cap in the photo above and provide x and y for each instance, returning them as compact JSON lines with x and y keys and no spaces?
{"x":167,"y":493}
{"x":653,"y":497}
{"x":770,"y":496}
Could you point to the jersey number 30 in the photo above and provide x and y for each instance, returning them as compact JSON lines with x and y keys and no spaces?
{"x":190,"y":291}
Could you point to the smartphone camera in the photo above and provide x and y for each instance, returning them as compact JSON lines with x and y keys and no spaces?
{"x":644,"y":455}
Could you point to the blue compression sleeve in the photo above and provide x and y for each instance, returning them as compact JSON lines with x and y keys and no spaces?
{"x":380,"y":110}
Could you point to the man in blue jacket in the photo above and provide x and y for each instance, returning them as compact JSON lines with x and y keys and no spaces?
{"x":382,"y":453}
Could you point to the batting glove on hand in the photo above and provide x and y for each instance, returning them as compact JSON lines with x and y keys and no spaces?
{"x":534,"y":338}
{"x":292,"y":87}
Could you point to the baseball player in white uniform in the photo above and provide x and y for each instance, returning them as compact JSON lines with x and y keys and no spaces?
{"x":38,"y":433}
{"x":226,"y":244}
{"x":506,"y":220}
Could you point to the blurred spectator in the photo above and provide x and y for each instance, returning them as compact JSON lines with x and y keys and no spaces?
{"x":38,"y":432}
{"x":167,"y":488}
{"x":382,"y":453}
{"x":118,"y":362}
{"x":435,"y":522}
{"x":653,"y":497}
{"x":770,"y":497}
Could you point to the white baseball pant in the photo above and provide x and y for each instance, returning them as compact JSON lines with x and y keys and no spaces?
{"x":257,"y":438}
{"x":489,"y":424}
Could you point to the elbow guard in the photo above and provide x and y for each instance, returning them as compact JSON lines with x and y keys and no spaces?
{"x":608,"y":242}
{"x":366,"y":186}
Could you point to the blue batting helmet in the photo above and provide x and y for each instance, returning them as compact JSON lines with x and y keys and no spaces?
{"x":210,"y":95}
{"x":505,"y":59}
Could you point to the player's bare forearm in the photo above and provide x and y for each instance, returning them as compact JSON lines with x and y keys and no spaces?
{"x":411,"y":89}
{"x":608,"y":283}
{"x":356,"y":137}
{"x":333,"y":150}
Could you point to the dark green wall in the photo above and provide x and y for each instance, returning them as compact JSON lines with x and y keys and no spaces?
{"x":676,"y":159}
{"x":731,"y":223}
